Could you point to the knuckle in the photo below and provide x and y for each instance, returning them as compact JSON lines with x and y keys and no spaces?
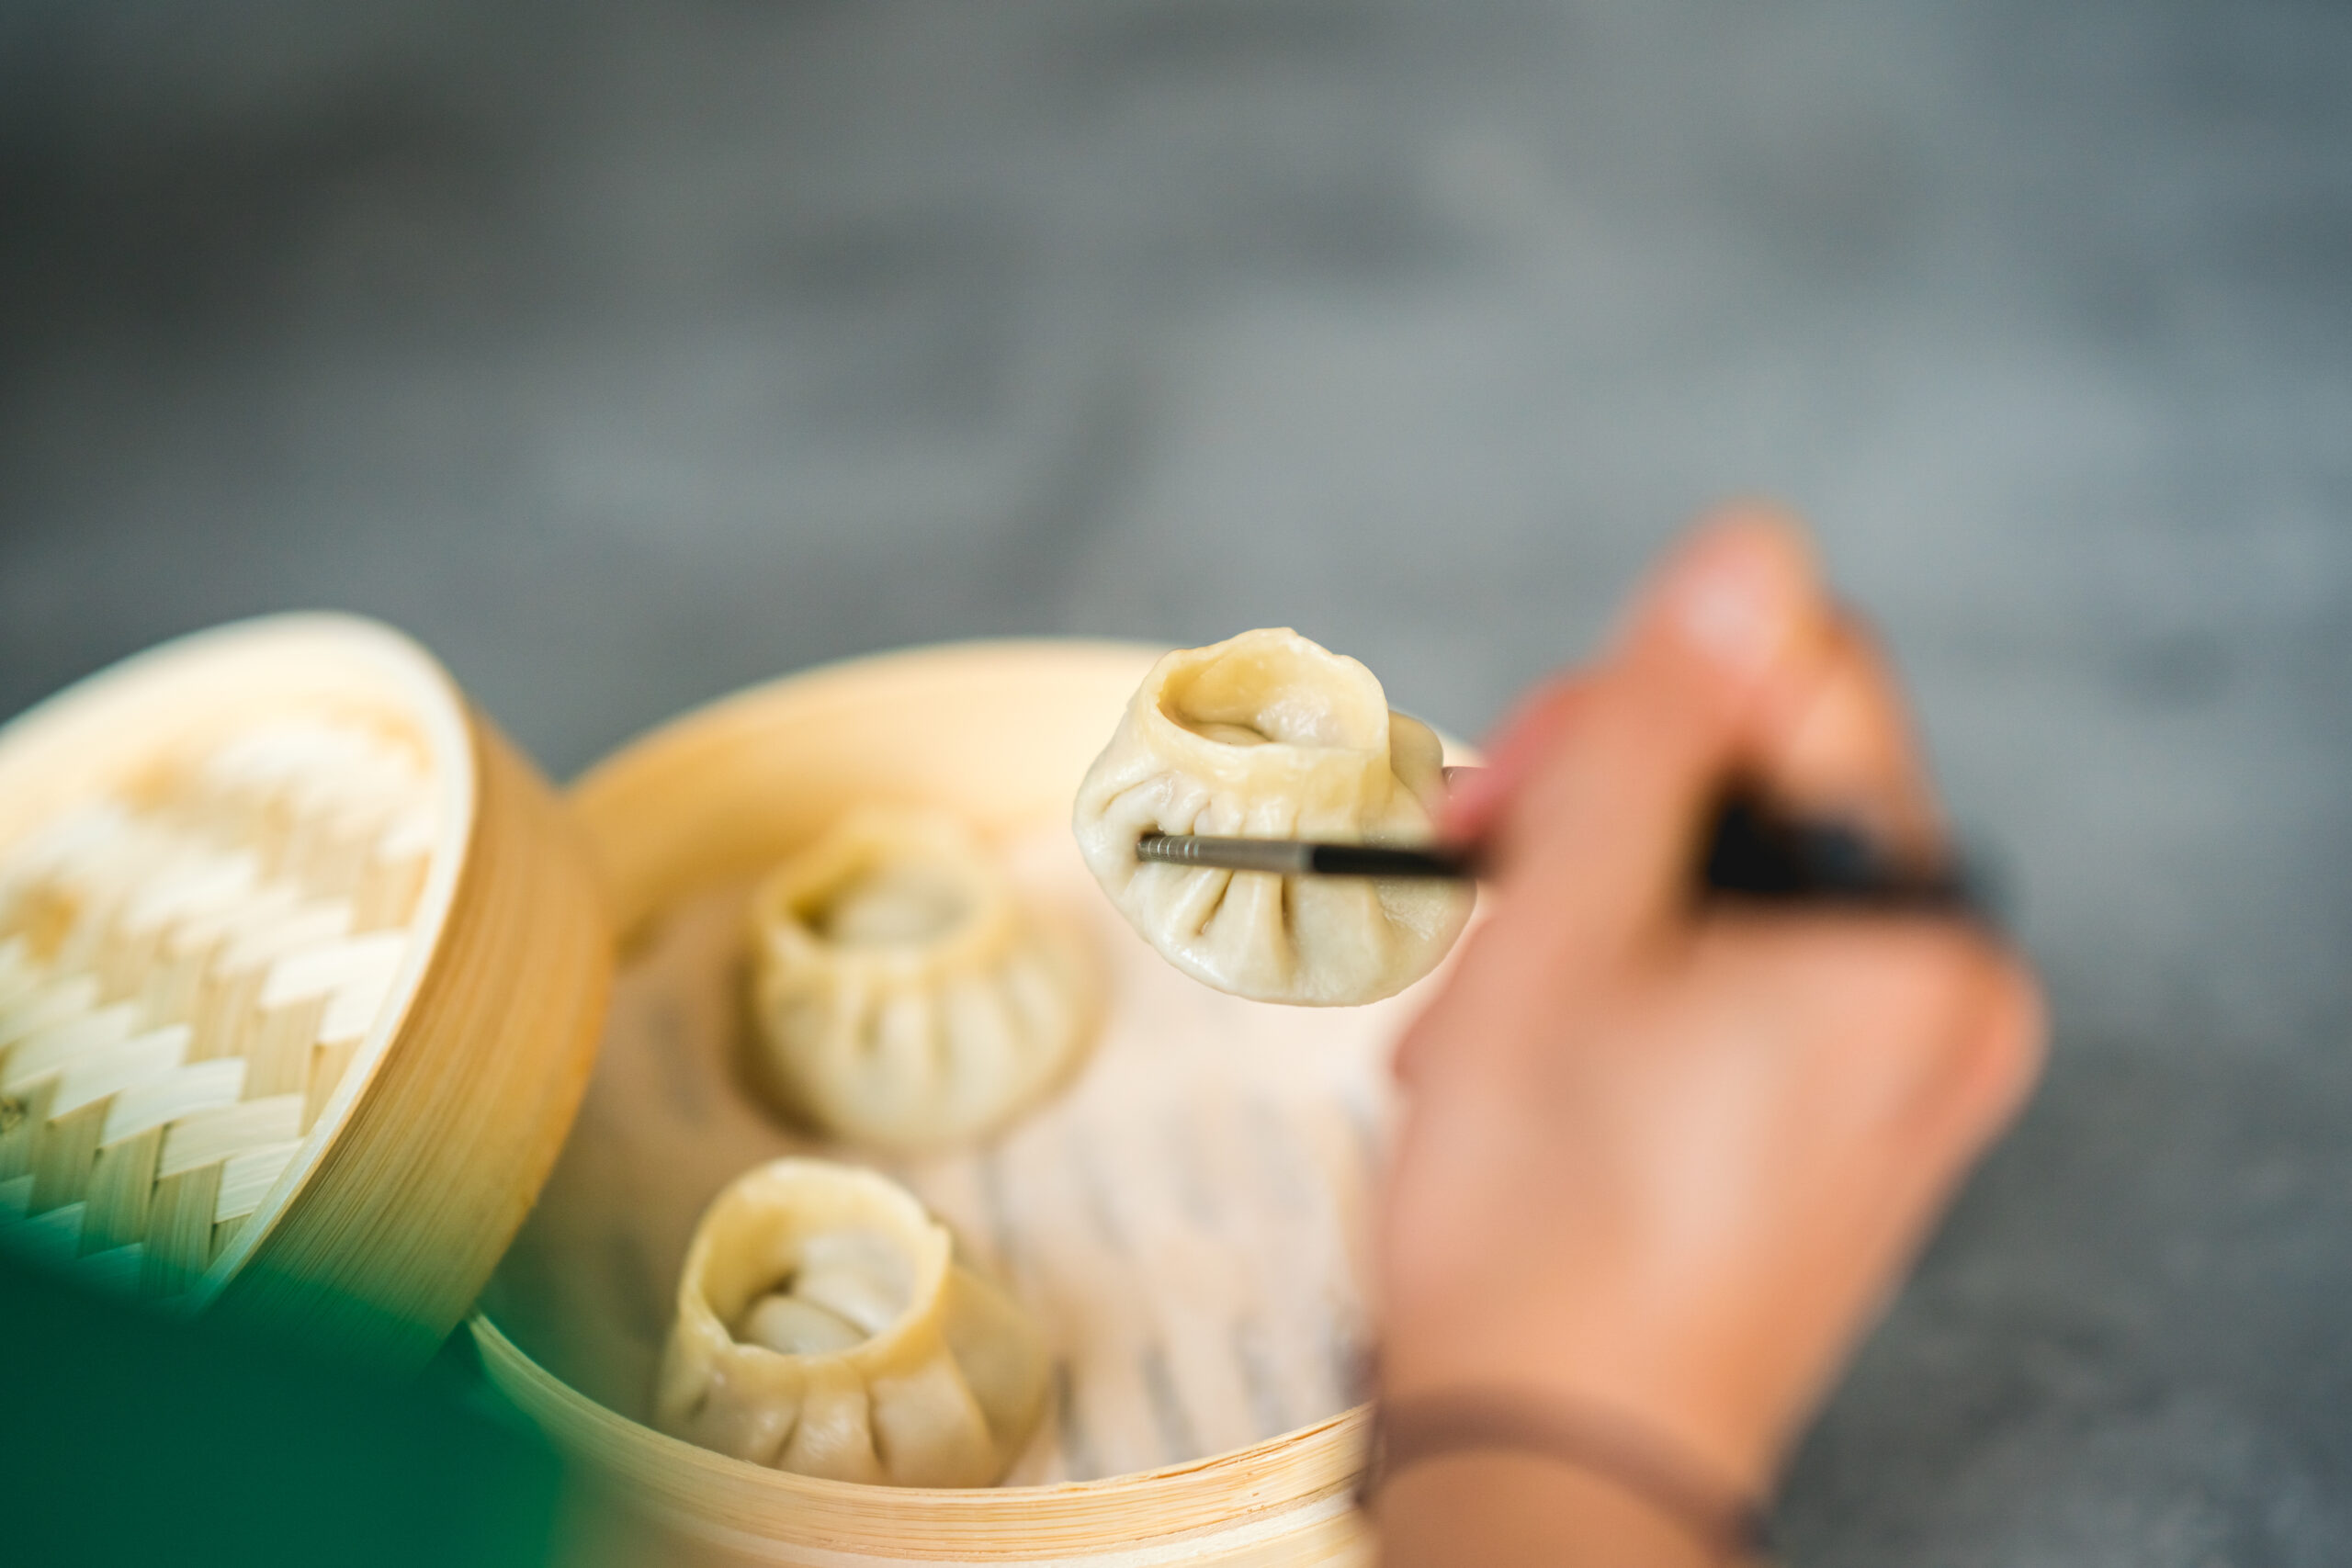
{"x":2010,"y":1036}
{"x":1983,"y":1034}
{"x":1929,"y":971}
{"x":1958,"y":994}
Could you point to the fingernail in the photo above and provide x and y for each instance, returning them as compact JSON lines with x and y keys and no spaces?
{"x":1730,"y":603}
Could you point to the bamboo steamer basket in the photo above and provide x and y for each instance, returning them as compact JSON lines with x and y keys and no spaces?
{"x":301,"y":968}
{"x":1002,"y":733}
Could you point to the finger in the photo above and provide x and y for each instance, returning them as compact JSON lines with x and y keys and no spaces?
{"x":1480,"y":795}
{"x":1607,"y":823}
{"x":1836,"y":741}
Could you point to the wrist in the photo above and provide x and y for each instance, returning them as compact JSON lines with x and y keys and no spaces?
{"x":1496,"y":1477}
{"x":1500,"y":1508}
{"x":1722,"y":1516}
{"x":1659,"y":1384}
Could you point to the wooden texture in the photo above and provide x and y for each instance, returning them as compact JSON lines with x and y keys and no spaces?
{"x":300,"y":968}
{"x":1142,"y":1258}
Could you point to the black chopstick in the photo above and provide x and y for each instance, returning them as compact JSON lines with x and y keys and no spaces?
{"x":1753,"y":852}
{"x":1300,"y":857}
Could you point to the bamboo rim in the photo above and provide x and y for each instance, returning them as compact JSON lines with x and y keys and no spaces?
{"x":721,"y":1497}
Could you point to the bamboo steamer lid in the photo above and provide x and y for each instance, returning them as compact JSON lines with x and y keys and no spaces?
{"x":301,"y":969}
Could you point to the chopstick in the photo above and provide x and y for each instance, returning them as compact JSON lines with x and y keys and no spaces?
{"x":1753,"y":852}
{"x":1300,"y":857}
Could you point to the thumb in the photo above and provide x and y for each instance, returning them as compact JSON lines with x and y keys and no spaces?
{"x":1606,"y":828}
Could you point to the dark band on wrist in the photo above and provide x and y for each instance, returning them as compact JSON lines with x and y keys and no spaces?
{"x":1653,"y":1468}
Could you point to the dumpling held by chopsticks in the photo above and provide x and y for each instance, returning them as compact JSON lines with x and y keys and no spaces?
{"x":1267,"y":735}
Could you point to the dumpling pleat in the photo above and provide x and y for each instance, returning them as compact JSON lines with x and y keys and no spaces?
{"x":929,"y":1431}
{"x":835,"y":1438}
{"x":1038,"y":1002}
{"x":752,"y":1424}
{"x":1194,"y":897}
{"x":1002,"y":1366}
{"x":904,"y":1064}
{"x":981,"y":1049}
{"x":1247,"y":935}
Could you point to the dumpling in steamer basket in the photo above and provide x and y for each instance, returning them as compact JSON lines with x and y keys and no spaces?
{"x":825,"y":1328}
{"x":1267,"y":735}
{"x":905,"y":996}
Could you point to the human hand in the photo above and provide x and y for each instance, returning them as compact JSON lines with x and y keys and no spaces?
{"x":1664,"y":1160}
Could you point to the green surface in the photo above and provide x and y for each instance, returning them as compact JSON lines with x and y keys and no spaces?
{"x":130,"y":1439}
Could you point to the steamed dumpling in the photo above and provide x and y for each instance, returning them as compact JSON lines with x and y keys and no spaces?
{"x":825,"y":1328}
{"x":905,"y":996}
{"x":1267,"y":735}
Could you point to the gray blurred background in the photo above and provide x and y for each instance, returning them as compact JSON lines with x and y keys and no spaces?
{"x":628,"y":355}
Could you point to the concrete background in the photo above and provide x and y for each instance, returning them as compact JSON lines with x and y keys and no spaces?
{"x":627,"y":356}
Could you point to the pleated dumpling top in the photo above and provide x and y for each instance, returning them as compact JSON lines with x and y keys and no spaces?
{"x":824,"y":1326}
{"x":907,"y":996}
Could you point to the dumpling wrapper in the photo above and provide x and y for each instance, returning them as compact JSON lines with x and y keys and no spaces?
{"x":769,"y":1362}
{"x":1269,"y":735}
{"x":906,"y":997}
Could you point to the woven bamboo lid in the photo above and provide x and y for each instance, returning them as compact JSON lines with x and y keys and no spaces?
{"x":301,"y":969}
